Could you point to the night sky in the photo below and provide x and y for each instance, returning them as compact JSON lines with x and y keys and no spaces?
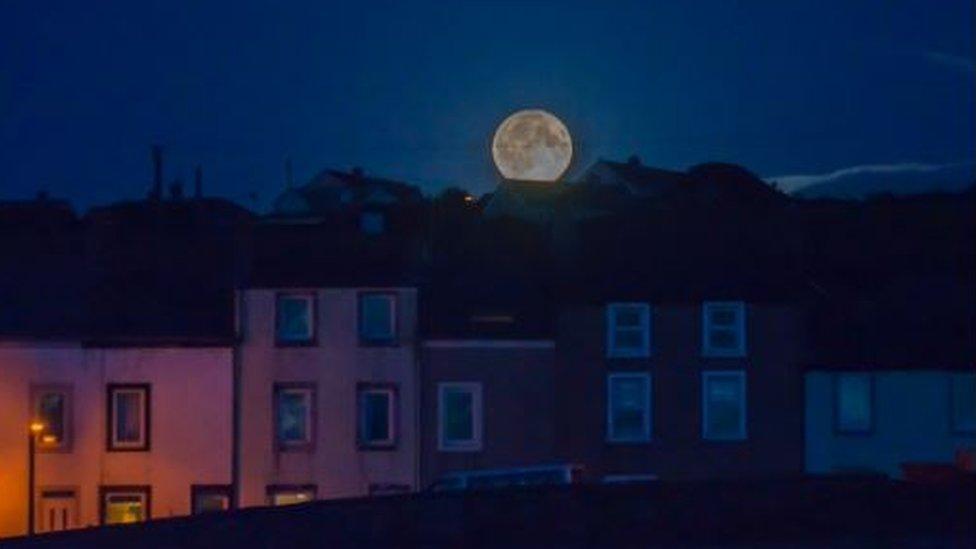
{"x":413,"y":90}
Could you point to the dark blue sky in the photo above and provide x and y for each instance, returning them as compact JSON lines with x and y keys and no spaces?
{"x":413,"y":90}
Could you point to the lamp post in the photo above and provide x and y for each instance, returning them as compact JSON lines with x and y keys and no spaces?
{"x":36,"y":428}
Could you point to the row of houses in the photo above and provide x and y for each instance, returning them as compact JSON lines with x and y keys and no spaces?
{"x":183,"y":356}
{"x":332,"y":392}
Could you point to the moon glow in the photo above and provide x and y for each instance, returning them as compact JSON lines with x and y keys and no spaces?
{"x":532,"y":145}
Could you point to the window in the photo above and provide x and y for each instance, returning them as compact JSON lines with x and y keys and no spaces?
{"x":724,"y":329}
{"x":51,"y":405}
{"x":629,"y":407}
{"x":58,"y":510}
{"x":294,"y":415}
{"x":724,"y":405}
{"x":208,"y":498}
{"x":372,"y":223}
{"x":128,"y":417}
{"x":295,"y":319}
{"x":125,"y":504}
{"x":628,"y":330}
{"x":459,"y":417}
{"x":963,"y":398}
{"x":290,"y":494}
{"x":377,"y":318}
{"x":853,"y":403}
{"x":377,"y":415}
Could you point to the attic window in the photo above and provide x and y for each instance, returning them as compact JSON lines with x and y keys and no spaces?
{"x":372,"y":223}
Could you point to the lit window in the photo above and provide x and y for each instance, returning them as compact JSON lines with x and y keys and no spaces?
{"x":459,"y":416}
{"x":294,"y":412}
{"x":724,"y":329}
{"x":377,"y":318}
{"x":294,"y":322}
{"x":964,"y":403}
{"x":372,"y":223}
{"x":210,"y":498}
{"x":724,"y":405}
{"x":128,"y":416}
{"x":123,"y":505}
{"x":290,"y":495}
{"x":854,"y":403}
{"x":377,"y":425}
{"x":629,"y":407}
{"x":628,"y":330}
{"x":52,"y":407}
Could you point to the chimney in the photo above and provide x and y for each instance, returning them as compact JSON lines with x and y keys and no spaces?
{"x":198,"y":182}
{"x":289,"y":174}
{"x":157,"y":157}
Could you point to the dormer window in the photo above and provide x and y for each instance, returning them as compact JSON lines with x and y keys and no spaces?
{"x":628,"y":330}
{"x":724,"y":329}
{"x":372,"y":223}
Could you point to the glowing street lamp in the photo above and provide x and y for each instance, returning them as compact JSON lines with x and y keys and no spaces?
{"x":36,"y":429}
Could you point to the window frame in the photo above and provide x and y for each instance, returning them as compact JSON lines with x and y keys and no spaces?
{"x":367,"y":341}
{"x":743,"y":431}
{"x":311,"y":415}
{"x":113,"y":445}
{"x":392,"y":414}
{"x":272,"y":490}
{"x":105,"y":490}
{"x":645,"y":311}
{"x":648,"y":426}
{"x":954,"y":427}
{"x":845,"y":431}
{"x":197,"y":490}
{"x":476,"y":443}
{"x":312,"y":299}
{"x":740,"y":327}
{"x":37,"y":391}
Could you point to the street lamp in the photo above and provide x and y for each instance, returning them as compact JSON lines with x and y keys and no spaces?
{"x":36,"y":428}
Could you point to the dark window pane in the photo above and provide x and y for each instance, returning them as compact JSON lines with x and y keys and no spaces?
{"x":292,"y":416}
{"x":209,"y":502}
{"x":723,"y":316}
{"x":629,"y":407}
{"x":629,"y":339}
{"x":52,"y":407}
{"x":294,"y":319}
{"x":725,"y":399}
{"x":376,"y":414}
{"x":628,"y":316}
{"x":723,"y":339}
{"x":128,"y":418}
{"x":376,"y":323}
{"x":458,"y":420}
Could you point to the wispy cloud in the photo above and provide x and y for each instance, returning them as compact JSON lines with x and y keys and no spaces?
{"x":791,"y":183}
{"x":956,"y":62}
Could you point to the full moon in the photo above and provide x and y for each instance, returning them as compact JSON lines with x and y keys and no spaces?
{"x":532,"y":145}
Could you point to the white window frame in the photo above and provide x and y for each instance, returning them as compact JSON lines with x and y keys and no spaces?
{"x":646,"y":434}
{"x":308,"y":393}
{"x":475,"y":443}
{"x":391,"y":395}
{"x":743,"y":433}
{"x":613,"y":351}
{"x":370,"y":339}
{"x":739,"y":308}
{"x":309,"y":300}
{"x":142,"y":443}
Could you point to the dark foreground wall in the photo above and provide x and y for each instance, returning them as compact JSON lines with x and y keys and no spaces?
{"x":809,"y":513}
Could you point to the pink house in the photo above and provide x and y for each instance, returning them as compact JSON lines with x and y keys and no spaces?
{"x":328,"y":392}
{"x":130,"y":433}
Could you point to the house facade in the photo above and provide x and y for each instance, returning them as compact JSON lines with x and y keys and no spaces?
{"x":486,"y":404}
{"x":327,"y":393}
{"x":877,"y":420}
{"x":130,"y":432}
{"x":679,"y":390}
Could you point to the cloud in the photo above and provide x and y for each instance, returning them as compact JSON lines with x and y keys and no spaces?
{"x":793,"y":183}
{"x":957,"y":62}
